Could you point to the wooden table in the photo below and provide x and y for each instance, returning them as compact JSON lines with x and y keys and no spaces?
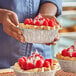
{"x":62,"y":73}
{"x":58,"y":73}
{"x":7,"y":72}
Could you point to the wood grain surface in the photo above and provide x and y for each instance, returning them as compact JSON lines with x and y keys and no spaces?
{"x":58,"y":73}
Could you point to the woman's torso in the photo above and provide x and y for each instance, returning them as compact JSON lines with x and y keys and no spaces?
{"x":10,"y":48}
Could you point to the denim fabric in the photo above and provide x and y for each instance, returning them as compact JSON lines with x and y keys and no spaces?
{"x":10,"y":48}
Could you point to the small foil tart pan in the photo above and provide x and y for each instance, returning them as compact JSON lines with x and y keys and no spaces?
{"x":67,"y":65}
{"x":46,"y":73}
{"x":39,"y":36}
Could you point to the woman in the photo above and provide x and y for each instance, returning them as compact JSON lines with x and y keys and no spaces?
{"x":11,"y":13}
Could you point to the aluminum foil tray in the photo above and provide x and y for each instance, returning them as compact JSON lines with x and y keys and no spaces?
{"x":39,"y":36}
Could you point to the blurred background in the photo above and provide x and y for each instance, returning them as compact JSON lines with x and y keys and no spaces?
{"x":68,"y":22}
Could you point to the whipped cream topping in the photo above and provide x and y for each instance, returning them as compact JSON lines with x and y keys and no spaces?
{"x":36,"y":52}
{"x":34,"y":57}
{"x":35,"y":21}
{"x":71,"y":51}
{"x":42,"y":21}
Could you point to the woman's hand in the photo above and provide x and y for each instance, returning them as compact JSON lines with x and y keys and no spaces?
{"x":9,"y":20}
{"x":57,"y":37}
{"x":54,"y":42}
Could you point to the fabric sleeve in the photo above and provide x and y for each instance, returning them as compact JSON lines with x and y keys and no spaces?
{"x":58,"y":3}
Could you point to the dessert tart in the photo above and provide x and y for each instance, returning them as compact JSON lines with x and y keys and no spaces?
{"x":35,"y":63}
{"x":67,"y":59}
{"x":68,"y":54}
{"x":40,"y":29}
{"x":41,"y":23}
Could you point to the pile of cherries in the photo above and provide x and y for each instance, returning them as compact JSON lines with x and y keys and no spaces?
{"x":40,"y":21}
{"x":71,"y":51}
{"x":34,"y":61}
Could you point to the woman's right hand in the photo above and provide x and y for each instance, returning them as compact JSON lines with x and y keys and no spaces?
{"x":9,"y":20}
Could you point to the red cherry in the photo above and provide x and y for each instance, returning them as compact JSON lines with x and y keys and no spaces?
{"x":50,"y":61}
{"x":46,"y":59}
{"x":46,"y":64}
{"x":51,"y":23}
{"x":29,"y":57}
{"x":74,"y":54}
{"x":53,"y":19}
{"x":35,"y":19}
{"x":38,"y":17}
{"x":47,"y":19}
{"x":31,"y":21}
{"x":68,"y":49}
{"x":37,"y":55}
{"x":29,"y":66}
{"x":23,"y":65}
{"x":65,"y":52}
{"x":54,"y":22}
{"x":73,"y":47}
{"x":27,"y":21}
{"x":25,"y":59}
{"x":39,"y":64}
{"x":38,"y":23}
{"x":33,"y":53}
{"x":41,"y":18}
{"x":20,"y":61}
{"x":41,"y":57}
{"x":45,"y":23}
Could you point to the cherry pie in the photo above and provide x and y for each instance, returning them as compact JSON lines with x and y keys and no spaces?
{"x":35,"y":63}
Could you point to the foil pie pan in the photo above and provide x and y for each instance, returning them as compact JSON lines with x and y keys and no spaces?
{"x":39,"y":36}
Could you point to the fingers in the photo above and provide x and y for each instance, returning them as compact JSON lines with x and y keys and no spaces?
{"x":14,"y":18}
{"x":12,"y":26}
{"x":16,"y":36}
{"x":12,"y":30}
{"x":12,"y":15}
{"x":54,"y":42}
{"x":9,"y":20}
{"x":56,"y":20}
{"x":53,"y":18}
